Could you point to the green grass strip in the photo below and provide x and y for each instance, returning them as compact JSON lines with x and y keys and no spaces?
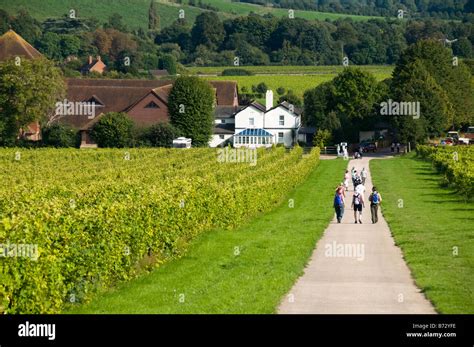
{"x":245,"y":270}
{"x":433,"y":227}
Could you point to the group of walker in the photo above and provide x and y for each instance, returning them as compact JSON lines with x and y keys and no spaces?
{"x":358,"y":201}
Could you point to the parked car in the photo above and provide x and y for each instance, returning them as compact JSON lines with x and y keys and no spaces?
{"x":368,"y":147}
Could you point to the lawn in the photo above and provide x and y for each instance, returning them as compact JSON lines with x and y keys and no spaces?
{"x":433,"y":226}
{"x":245,"y":270}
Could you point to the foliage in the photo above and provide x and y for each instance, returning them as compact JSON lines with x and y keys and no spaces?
{"x":88,"y":235}
{"x":322,"y":138}
{"x":236,"y":72}
{"x":113,"y":129}
{"x":190,"y":104}
{"x":28,"y":93}
{"x":60,"y":135}
{"x":160,"y":135}
{"x":455,"y":162}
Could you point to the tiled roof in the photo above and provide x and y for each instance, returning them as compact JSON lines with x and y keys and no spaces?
{"x":224,"y":129}
{"x":225,"y":91}
{"x":13,"y":45}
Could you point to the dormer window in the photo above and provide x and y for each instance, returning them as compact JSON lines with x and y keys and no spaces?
{"x":152,"y":104}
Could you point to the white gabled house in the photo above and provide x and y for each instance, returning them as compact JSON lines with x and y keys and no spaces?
{"x":262,"y":126}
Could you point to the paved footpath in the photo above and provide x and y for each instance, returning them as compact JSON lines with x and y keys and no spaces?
{"x":356,"y":268}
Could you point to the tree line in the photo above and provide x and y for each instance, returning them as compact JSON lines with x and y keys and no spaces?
{"x":244,"y":41}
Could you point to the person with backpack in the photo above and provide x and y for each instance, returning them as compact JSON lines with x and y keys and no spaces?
{"x":375,"y":199}
{"x":363,"y":175}
{"x":357,"y":181}
{"x":357,"y":205}
{"x":339,"y":202}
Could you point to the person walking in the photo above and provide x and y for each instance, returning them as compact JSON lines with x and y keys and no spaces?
{"x":392,"y":147}
{"x":354,"y":175}
{"x":339,"y":202}
{"x":357,"y":205}
{"x":363,"y":175}
{"x":357,"y":181}
{"x":398,"y":147}
{"x":375,"y":199}
{"x":347,"y":176}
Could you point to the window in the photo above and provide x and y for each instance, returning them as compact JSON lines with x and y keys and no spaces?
{"x":282,"y":120}
{"x":280,"y":137}
{"x":223,"y":121}
{"x":152,"y":104}
{"x":221,"y":137}
{"x":252,"y":121}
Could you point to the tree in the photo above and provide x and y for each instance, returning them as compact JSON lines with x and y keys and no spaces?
{"x":161,"y":135}
{"x":153,"y":17}
{"x":321,"y":138}
{"x":60,"y":135}
{"x":355,"y":93}
{"x":414,"y":83}
{"x":26,"y":26}
{"x":455,"y":80}
{"x":168,"y":63}
{"x":115,"y":22}
{"x":114,"y":129}
{"x":291,"y":98}
{"x":190,"y":105}
{"x":207,"y":30}
{"x":28,"y":93}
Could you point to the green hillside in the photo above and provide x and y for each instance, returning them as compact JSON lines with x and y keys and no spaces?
{"x":135,"y":12}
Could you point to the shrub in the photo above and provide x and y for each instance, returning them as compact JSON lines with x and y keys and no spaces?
{"x":168,"y":63}
{"x":113,"y":129}
{"x":236,"y":72}
{"x":60,"y":135}
{"x":160,"y":135}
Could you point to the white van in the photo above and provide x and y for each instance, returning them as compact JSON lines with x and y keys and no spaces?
{"x":182,"y":142}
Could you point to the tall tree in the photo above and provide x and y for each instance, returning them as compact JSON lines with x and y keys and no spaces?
{"x":455,"y":79}
{"x":28,"y":93}
{"x":208,"y":30}
{"x":414,"y":83}
{"x":153,"y":17}
{"x":190,"y":105}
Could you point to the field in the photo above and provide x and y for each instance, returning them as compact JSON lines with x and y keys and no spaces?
{"x":299,"y":83}
{"x":241,"y":8}
{"x":433,"y":226}
{"x":247,"y":270}
{"x":135,"y":12}
{"x":102,"y":216}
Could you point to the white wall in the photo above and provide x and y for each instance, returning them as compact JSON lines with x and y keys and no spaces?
{"x":242,"y":118}
{"x":216,"y":140}
{"x":272,"y":119}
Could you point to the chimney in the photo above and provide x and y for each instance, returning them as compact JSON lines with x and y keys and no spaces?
{"x":90,"y":59}
{"x":268,"y":100}
{"x":98,"y":58}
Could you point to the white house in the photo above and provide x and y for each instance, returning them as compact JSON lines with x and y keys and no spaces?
{"x":262,"y":126}
{"x":224,"y":126}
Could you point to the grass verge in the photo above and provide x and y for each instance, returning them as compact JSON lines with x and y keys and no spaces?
{"x":433,"y":227}
{"x":246,"y":270}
